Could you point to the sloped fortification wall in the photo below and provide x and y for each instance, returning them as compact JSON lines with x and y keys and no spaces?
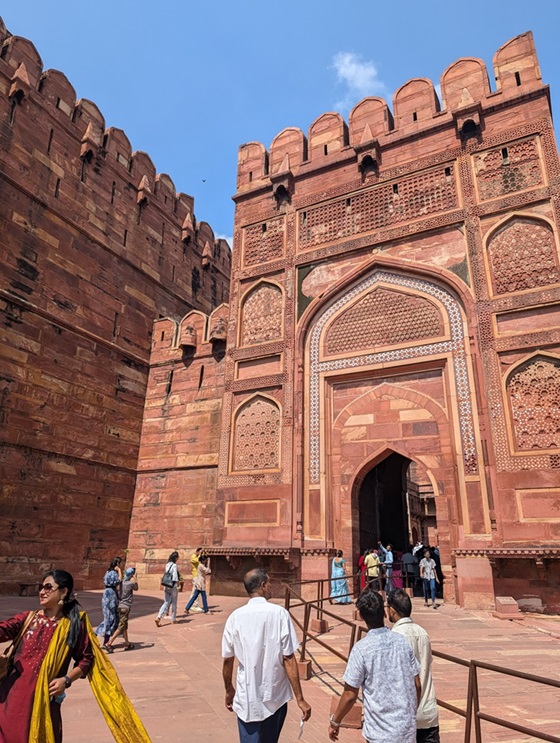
{"x":94,"y":247}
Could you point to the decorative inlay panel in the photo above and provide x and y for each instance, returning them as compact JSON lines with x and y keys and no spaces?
{"x":534,"y":394}
{"x":262,"y":315}
{"x":455,"y":345}
{"x":384,"y":318}
{"x":523,"y":255}
{"x":506,"y":169}
{"x":263,"y":242}
{"x":368,"y":210}
{"x":256,"y":439}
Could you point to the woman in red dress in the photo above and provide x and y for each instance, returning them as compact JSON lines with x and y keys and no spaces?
{"x":18,"y":688}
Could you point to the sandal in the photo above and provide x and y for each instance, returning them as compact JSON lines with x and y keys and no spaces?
{"x":130,"y":646}
{"x":108,"y":649}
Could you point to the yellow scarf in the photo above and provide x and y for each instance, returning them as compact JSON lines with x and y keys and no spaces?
{"x":117,"y":708}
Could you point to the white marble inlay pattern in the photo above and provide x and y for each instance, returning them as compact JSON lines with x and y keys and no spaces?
{"x":455,"y":346}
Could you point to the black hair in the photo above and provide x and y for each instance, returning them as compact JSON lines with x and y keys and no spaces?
{"x":203,"y":558}
{"x":400,"y":602}
{"x":173,"y":557}
{"x":115,"y":562}
{"x":339,"y":553}
{"x":370,"y":606}
{"x":253,"y":579}
{"x":63,"y":579}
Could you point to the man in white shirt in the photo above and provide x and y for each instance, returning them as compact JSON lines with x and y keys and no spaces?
{"x":262,"y":637}
{"x":384,"y":665}
{"x":427,"y":719}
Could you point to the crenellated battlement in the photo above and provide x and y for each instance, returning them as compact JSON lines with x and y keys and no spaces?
{"x":84,"y":155}
{"x":416,"y":111}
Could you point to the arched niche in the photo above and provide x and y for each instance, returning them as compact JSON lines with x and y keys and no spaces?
{"x":261,"y":314}
{"x":256,"y":435}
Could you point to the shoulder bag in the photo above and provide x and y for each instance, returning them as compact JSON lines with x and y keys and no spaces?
{"x":7,"y":656}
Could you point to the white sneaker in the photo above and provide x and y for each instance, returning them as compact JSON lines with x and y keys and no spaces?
{"x":196,"y":608}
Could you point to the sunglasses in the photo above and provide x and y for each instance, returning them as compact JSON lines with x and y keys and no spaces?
{"x":48,"y":588}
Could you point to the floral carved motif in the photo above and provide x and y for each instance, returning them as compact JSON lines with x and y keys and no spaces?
{"x":390,"y":203}
{"x":523,"y":255}
{"x":257,"y":436}
{"x":262,"y":315}
{"x":534,"y":393}
{"x":384,"y":318}
{"x":512,"y":168}
{"x":263,"y":242}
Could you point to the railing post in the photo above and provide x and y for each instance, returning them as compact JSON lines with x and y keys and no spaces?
{"x":320,"y":599}
{"x":306,"y":613}
{"x":476,"y":706}
{"x":352,"y":639}
{"x":468,"y":711}
{"x":287,"y":599}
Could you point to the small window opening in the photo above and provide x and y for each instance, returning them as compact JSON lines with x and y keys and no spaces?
{"x":368,"y":165}
{"x":162,"y":335}
{"x":105,"y":140}
{"x":56,"y":188}
{"x":113,"y":191}
{"x":115,"y":324}
{"x":201,"y":376}
{"x":162,"y":231}
{"x":304,"y":219}
{"x":51,"y":135}
{"x":326,"y":149}
{"x":169,"y":383}
{"x":263,"y":227}
{"x":125,"y":237}
{"x":414,"y":116}
{"x":4,"y":51}
{"x":15,"y":100}
{"x":505,"y":156}
{"x":469,"y":129}
{"x":348,"y":206}
{"x":42,"y":82}
{"x":282,"y":196}
{"x":396,"y":188}
{"x":250,"y":176}
{"x":518,"y":78}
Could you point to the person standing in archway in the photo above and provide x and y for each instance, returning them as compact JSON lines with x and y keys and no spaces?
{"x":429,"y":578}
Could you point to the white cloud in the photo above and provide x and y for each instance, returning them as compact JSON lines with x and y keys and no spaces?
{"x":358,"y":77}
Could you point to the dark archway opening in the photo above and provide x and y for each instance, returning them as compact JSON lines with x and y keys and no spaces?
{"x":383,"y":505}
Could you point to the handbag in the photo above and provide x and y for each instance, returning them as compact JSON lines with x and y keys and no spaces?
{"x":7,"y":656}
{"x":167,"y":581}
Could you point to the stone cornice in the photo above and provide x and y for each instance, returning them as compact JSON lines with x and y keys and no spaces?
{"x":493,"y":553}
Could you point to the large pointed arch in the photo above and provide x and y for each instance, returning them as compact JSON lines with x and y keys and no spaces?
{"x":454,"y":346}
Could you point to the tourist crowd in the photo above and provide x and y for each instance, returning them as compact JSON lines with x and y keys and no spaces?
{"x":392,"y":668}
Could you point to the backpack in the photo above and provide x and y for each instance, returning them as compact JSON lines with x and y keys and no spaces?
{"x":167,"y":581}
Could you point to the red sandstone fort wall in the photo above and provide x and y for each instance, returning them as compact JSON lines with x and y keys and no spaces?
{"x":95,"y":246}
{"x":396,"y":288}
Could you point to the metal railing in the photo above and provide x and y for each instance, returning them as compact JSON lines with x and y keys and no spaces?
{"x":472,"y":713}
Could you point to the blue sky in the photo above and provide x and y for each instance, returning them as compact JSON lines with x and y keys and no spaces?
{"x":191,"y":81}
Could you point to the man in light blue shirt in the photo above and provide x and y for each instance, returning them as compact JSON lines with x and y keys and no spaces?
{"x":384,"y":665}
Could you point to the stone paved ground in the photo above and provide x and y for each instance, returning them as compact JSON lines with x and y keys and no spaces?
{"x":174,"y":675}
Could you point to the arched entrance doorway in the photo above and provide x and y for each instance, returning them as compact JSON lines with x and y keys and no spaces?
{"x":382,"y":504}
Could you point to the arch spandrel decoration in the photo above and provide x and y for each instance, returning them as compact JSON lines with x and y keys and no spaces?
{"x":455,"y":346}
{"x":523,"y":255}
{"x":261,"y":315}
{"x":383,"y":317}
{"x":533,"y":390}
{"x":256,"y":435}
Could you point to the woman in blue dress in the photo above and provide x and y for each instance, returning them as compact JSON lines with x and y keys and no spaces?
{"x":339,"y":585}
{"x":110,"y":602}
